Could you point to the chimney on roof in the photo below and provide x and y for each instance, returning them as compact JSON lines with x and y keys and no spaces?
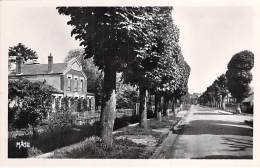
{"x":18,"y":65}
{"x":50,"y":63}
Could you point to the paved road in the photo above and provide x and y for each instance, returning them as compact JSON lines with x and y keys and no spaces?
{"x":213,"y":134}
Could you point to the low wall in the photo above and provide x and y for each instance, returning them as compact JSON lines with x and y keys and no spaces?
{"x":91,"y":117}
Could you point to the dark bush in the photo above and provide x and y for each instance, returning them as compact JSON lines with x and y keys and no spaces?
{"x":28,"y":102}
{"x":124,"y":121}
{"x":52,"y":138}
{"x":247,"y":108}
{"x":150,"y":114}
{"x":127,"y":97}
{"x":59,"y":132}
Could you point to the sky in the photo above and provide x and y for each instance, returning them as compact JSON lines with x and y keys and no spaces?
{"x":40,"y":28}
{"x":209,"y":36}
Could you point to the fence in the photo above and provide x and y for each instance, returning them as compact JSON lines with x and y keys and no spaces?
{"x":91,"y":117}
{"x":230,"y":108}
{"x":73,"y":104}
{"x":124,"y":112}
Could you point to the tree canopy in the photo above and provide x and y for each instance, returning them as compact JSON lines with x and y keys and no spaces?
{"x":28,"y":102}
{"x":28,"y":54}
{"x":235,"y":81}
{"x":125,"y":39}
{"x":108,"y":34}
{"x":215,"y":93}
{"x":239,"y":75}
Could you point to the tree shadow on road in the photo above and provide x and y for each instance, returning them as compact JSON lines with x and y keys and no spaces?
{"x":216,"y":127}
{"x":237,"y":144}
{"x":228,"y":128}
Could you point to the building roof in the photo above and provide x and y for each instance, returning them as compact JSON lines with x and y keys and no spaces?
{"x":34,"y":69}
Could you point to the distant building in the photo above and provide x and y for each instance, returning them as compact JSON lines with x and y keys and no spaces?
{"x":194,"y":98}
{"x":229,"y":99}
{"x":248,"y":103}
{"x":67,"y":78}
{"x":249,"y":100}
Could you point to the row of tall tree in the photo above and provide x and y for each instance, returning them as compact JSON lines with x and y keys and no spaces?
{"x":235,"y":81}
{"x":215,"y":94}
{"x":139,"y":42}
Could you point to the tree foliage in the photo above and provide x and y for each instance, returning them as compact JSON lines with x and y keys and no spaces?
{"x":160,"y":67}
{"x":215,"y":93}
{"x":235,"y":81}
{"x":28,"y":54}
{"x":155,"y":49}
{"x":182,"y":79}
{"x":243,"y":60}
{"x":239,"y":75}
{"x":124,"y":39}
{"x":103,"y":32}
{"x":222,"y":83}
{"x":28,"y":102}
{"x":127,"y":95}
{"x":106,"y":33}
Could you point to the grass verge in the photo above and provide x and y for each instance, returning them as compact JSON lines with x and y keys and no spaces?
{"x":124,"y":148}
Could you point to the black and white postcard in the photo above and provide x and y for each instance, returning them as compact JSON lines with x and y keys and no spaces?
{"x":156,"y":82}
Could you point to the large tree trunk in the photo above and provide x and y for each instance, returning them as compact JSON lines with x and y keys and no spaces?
{"x":165,"y":105}
{"x":143,"y":107}
{"x":173,"y":107}
{"x":156,"y":100}
{"x":238,"y":109}
{"x":223,"y":106}
{"x":149,"y":105}
{"x":108,"y":110}
{"x":157,"y":107}
{"x":161,"y":108}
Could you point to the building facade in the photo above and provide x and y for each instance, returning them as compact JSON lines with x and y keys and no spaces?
{"x":68,"y":79}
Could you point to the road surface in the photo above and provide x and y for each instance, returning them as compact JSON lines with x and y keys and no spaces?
{"x":213,"y":134}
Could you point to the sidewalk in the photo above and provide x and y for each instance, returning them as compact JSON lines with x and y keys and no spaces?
{"x":248,"y":118}
{"x":160,"y":152}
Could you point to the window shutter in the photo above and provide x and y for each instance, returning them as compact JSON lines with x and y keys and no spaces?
{"x":79,"y":87}
{"x":72,"y":85}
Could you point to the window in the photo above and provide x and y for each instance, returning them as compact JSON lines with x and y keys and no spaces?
{"x":89,"y":103}
{"x":69,"y":83}
{"x":81,"y":83}
{"x":76,"y":83}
